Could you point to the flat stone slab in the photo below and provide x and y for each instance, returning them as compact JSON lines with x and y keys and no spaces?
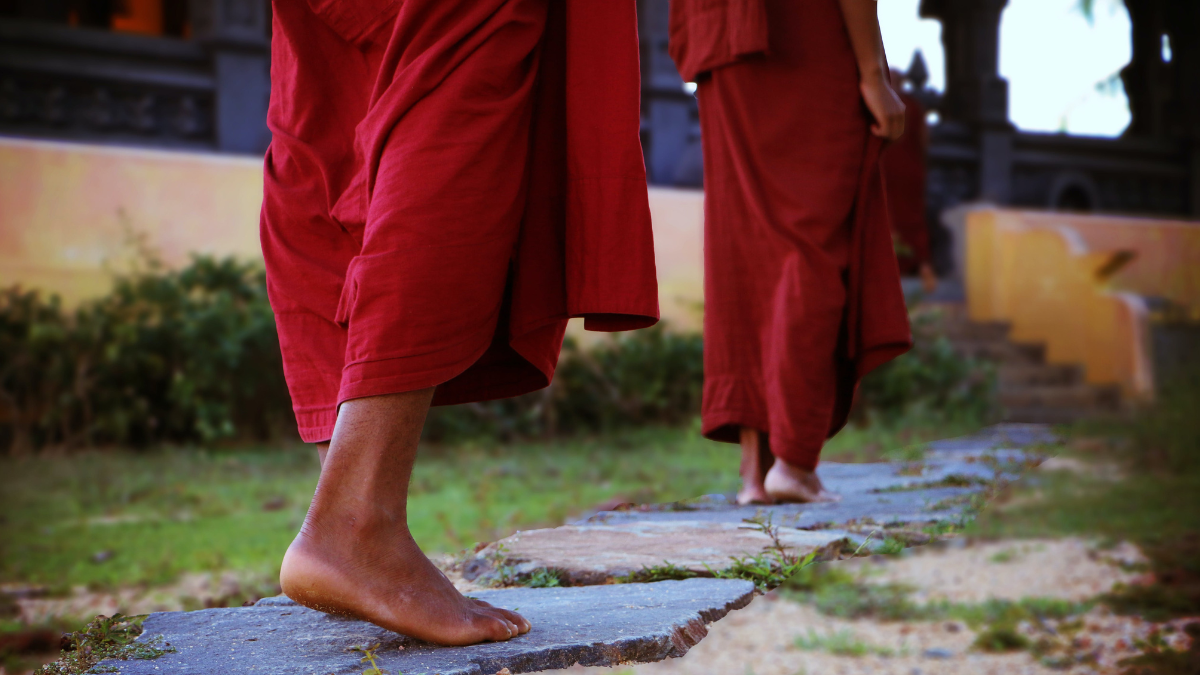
{"x":893,"y":500}
{"x":596,"y":553}
{"x":591,"y":625}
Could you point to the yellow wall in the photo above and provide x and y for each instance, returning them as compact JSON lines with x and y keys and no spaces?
{"x":1045,"y":273}
{"x":68,"y":212}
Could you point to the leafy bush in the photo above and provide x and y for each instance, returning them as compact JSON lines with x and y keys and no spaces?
{"x":932,"y":376}
{"x":647,"y":376}
{"x":192,"y":356}
{"x":166,"y":356}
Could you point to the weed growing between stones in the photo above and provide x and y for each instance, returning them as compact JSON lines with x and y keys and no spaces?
{"x":771,"y":568}
{"x":839,"y":643}
{"x":369,"y":657}
{"x":543,"y":577}
{"x":106,"y":637}
{"x":667,"y":571}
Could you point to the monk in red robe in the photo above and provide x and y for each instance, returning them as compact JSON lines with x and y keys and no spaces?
{"x":802,"y":293}
{"x":904,"y":166}
{"x":449,"y":181}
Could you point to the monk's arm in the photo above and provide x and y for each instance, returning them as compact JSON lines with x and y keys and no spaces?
{"x":862,"y":22}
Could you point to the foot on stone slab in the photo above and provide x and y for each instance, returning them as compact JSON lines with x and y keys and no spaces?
{"x":376,"y":573}
{"x":753,"y":494}
{"x":756,"y":459}
{"x":788,"y":483}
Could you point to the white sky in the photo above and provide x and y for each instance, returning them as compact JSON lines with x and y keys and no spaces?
{"x":1049,"y":53}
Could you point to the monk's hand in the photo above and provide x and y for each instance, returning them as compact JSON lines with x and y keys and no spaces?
{"x":885,"y":106}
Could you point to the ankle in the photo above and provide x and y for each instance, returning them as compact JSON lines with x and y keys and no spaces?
{"x":789,"y":469}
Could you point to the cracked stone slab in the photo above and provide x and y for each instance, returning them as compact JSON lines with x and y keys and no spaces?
{"x":596,"y":553}
{"x":592,"y":626}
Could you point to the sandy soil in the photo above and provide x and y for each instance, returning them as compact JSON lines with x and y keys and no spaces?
{"x":760,"y":639}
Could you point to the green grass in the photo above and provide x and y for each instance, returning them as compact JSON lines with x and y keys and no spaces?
{"x":160,"y":514}
{"x":838,"y":643}
{"x":833,"y":591}
{"x":112,"y":518}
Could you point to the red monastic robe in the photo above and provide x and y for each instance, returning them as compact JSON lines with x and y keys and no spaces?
{"x":802,"y":293}
{"x":904,"y":167}
{"x":448,"y":182}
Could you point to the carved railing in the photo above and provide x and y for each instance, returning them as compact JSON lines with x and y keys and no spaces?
{"x":88,"y":84}
{"x":209,"y":92}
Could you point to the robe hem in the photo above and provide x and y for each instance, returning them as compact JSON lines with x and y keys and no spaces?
{"x":321,"y":434}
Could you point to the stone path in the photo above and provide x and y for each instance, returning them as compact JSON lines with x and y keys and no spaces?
{"x":594,"y":621}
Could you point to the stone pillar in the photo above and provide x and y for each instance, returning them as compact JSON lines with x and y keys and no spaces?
{"x":1183,"y":27}
{"x":236,"y":33}
{"x":976,"y":97}
{"x":666,"y":108}
{"x":1146,"y":78}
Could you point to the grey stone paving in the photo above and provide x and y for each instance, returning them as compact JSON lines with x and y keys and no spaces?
{"x":611,"y":624}
{"x":590,"y":625}
{"x":886,"y":500}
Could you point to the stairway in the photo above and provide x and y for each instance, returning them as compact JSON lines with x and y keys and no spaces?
{"x":1030,"y":390}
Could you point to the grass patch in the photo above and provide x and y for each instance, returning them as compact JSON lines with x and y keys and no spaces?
{"x":1156,"y":505}
{"x":836,"y":592}
{"x":838,"y":643}
{"x":105,"y":637}
{"x":665,"y":572}
{"x":118,"y":518}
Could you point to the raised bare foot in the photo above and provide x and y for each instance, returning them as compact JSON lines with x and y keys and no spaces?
{"x":787,"y":483}
{"x":364,"y":571}
{"x":355,"y":556}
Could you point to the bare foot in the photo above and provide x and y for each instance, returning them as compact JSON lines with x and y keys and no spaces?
{"x":787,"y":483}
{"x":355,"y":556}
{"x":756,"y":459}
{"x":377,"y":573}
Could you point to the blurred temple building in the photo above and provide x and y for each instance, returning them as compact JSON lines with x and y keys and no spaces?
{"x":184,"y":74}
{"x":194,"y":74}
{"x":976,"y":154}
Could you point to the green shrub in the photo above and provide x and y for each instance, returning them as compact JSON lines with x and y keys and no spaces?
{"x":647,"y":376}
{"x":187,"y":355}
{"x":192,"y":356}
{"x":932,"y":377}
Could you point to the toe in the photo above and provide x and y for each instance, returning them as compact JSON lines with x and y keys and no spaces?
{"x":522,"y":624}
{"x":499,"y":628}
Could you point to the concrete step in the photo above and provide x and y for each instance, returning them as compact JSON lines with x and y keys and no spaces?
{"x":1026,"y":374}
{"x":1002,"y":351}
{"x":1061,"y":397}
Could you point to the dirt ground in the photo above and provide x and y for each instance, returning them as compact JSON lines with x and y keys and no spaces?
{"x":761,"y":639}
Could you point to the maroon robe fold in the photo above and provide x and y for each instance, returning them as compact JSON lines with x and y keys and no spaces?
{"x":448,"y":182}
{"x":802,"y":292}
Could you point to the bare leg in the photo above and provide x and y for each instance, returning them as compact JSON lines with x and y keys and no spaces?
{"x":322,"y":450}
{"x":789,"y":483}
{"x":354,"y":554}
{"x":755,"y":462}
